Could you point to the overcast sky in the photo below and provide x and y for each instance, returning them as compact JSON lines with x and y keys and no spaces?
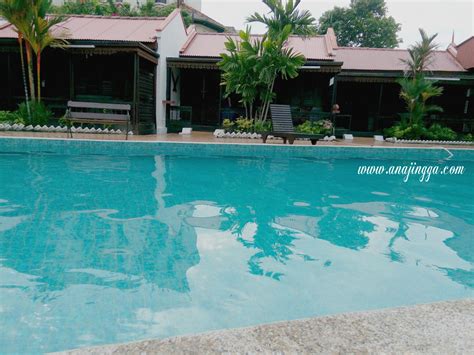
{"x":435,"y":16}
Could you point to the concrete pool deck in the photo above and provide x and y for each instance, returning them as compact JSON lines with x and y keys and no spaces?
{"x":207,"y":137}
{"x":436,"y":328}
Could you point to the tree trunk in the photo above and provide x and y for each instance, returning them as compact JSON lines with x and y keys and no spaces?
{"x":38,"y":74}
{"x":25,"y":86}
{"x":29,"y":59}
{"x":266,"y":105}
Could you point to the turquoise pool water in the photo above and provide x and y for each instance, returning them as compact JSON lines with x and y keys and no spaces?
{"x":116,"y":247}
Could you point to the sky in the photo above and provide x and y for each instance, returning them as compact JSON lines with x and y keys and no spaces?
{"x":435,"y":16}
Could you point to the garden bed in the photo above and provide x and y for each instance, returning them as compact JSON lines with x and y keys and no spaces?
{"x":44,"y":128}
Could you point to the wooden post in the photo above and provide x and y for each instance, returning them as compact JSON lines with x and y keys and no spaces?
{"x":136,"y":93}
{"x":333,"y":102}
{"x":155,"y":81}
{"x":71,"y":76}
{"x":169,"y":73}
{"x":220,"y":102}
{"x":334,"y":91}
{"x":379,"y":107}
{"x":9,"y":81}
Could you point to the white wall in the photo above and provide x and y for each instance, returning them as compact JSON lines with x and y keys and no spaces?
{"x":170,"y":41}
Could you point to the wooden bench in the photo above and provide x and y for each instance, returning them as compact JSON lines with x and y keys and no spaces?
{"x":98,"y":113}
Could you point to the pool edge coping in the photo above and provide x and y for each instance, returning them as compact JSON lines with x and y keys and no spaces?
{"x":375,"y":334}
{"x":443,"y":147}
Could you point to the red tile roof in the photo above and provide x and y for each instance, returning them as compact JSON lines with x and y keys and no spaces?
{"x":104,"y":28}
{"x":384,"y":59}
{"x":211,"y":45}
{"x":465,"y":53}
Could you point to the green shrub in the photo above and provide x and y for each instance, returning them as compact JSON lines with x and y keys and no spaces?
{"x":305,"y":127}
{"x":435,"y":132}
{"x":317,"y":127}
{"x":40,"y":115}
{"x":244,"y":124}
{"x":404,"y":131}
{"x":65,"y":122}
{"x":393,"y":132}
{"x":10,"y":117}
{"x":262,"y":126}
{"x":439,"y":133}
{"x":228,"y":124}
{"x":468,"y":137}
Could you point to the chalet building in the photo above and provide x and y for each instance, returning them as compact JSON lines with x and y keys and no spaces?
{"x":362,"y":81}
{"x":107,"y":59}
{"x":169,"y":74}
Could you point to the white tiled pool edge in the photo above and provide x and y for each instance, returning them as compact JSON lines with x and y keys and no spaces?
{"x":239,"y":143}
{"x":441,"y":328}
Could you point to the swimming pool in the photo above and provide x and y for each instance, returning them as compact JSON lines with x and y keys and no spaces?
{"x":105,"y":242}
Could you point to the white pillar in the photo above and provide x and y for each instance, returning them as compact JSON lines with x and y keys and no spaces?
{"x":161,"y":80}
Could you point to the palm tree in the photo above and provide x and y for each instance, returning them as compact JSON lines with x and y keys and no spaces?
{"x":416,"y":90}
{"x":15,"y":12}
{"x":276,"y":60}
{"x":301,"y":22}
{"x":284,"y":20}
{"x":240,"y":69}
{"x":25,"y":27}
{"x":39,"y":36}
{"x":255,"y":63}
{"x":252,"y":65}
{"x":420,"y":55}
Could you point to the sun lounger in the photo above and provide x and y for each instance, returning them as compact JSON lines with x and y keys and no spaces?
{"x":283,"y":126}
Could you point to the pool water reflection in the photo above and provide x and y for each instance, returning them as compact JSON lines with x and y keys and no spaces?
{"x":98,"y":249}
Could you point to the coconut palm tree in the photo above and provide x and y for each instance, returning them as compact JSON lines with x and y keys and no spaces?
{"x":282,"y":15}
{"x":15,"y":12}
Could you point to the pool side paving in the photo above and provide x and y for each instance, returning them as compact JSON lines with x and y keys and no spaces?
{"x":436,"y":328}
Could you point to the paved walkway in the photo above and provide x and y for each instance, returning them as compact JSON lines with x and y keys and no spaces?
{"x":438,"y":328}
{"x":207,"y":137}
